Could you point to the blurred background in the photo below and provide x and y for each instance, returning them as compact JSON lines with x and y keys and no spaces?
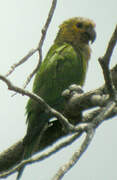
{"x":20,"y":30}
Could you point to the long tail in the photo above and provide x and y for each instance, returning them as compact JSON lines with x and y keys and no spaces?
{"x":28,"y":151}
{"x":33,"y":137}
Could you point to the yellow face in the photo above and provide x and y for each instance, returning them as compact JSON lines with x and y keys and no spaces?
{"x":78,"y":30}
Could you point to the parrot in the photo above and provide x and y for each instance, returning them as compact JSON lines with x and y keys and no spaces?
{"x":66,"y":63}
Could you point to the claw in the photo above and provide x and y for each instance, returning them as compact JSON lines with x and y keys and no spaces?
{"x":67,"y":93}
{"x":76,"y":88}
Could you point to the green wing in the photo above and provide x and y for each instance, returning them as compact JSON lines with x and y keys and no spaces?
{"x":62,"y":67}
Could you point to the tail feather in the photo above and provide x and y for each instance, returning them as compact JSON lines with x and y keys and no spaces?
{"x":33,"y":137}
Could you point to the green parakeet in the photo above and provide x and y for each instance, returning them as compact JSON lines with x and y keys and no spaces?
{"x":65,"y":63}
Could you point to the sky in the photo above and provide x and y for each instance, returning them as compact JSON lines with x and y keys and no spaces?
{"x":20,"y":30}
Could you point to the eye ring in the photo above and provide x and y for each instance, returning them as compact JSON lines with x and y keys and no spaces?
{"x":79,"y":25}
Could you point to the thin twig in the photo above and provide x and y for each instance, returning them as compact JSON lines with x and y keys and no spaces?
{"x":76,"y":156}
{"x":24,"y":59}
{"x":105,"y":61}
{"x":39,"y":48}
{"x":104,"y":113}
{"x":90,"y":116}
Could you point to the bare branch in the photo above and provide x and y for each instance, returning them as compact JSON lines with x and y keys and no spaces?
{"x":89,"y":117}
{"x":11,"y":156}
{"x":43,"y":155}
{"x":105,"y":112}
{"x":56,"y":147}
{"x":24,"y":59}
{"x":39,"y":48}
{"x":105,"y":61}
{"x":76,"y":156}
{"x":35,"y":97}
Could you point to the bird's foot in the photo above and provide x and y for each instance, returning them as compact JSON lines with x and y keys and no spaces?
{"x":72,"y":89}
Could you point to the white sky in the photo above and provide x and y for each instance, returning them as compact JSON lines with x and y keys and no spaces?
{"x":20,"y":29}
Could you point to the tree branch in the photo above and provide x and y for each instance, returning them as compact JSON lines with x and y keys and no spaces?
{"x":44,"y":105}
{"x":23,"y":60}
{"x":105,"y":61}
{"x":39,"y":47}
{"x":43,"y":155}
{"x":76,"y":156}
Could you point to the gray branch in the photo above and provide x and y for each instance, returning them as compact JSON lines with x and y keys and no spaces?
{"x":105,"y":61}
{"x":38,"y":48}
{"x":43,"y":155}
{"x":76,"y":156}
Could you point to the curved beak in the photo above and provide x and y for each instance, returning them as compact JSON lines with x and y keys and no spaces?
{"x":92,"y":34}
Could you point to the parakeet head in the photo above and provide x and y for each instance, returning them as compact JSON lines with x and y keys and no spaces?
{"x":77,"y":31}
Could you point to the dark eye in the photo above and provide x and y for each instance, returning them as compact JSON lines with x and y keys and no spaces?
{"x":79,"y":25}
